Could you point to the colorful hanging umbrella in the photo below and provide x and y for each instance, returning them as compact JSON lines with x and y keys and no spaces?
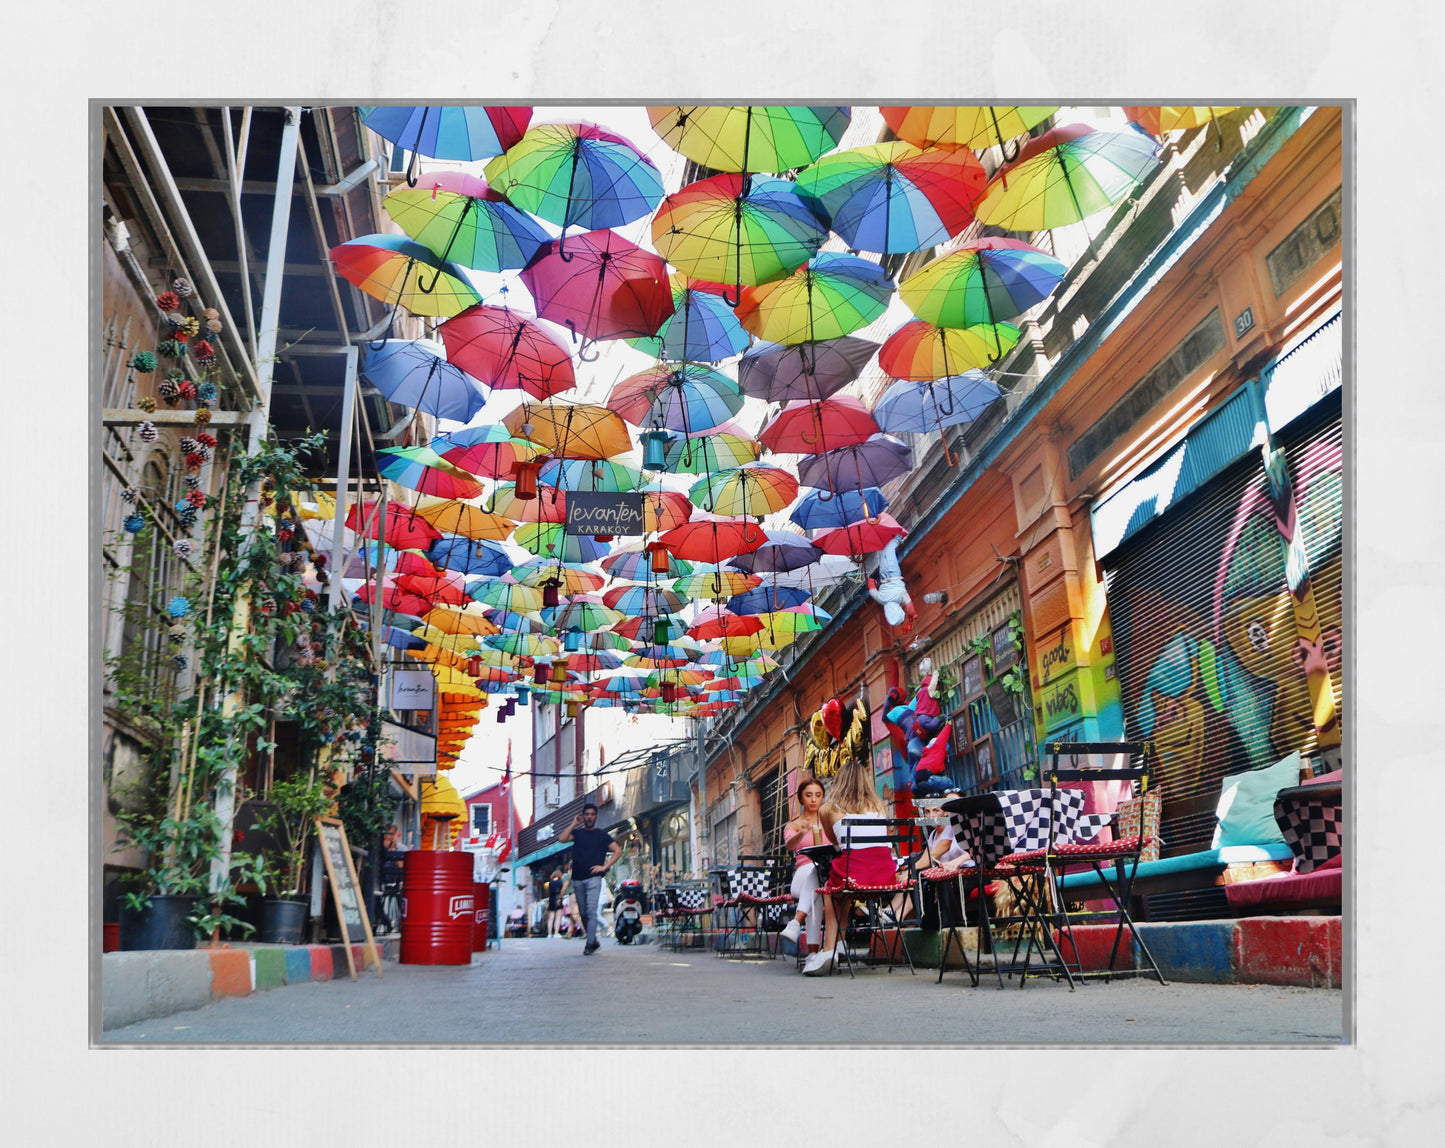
{"x":873,"y":463}
{"x":643,"y":601}
{"x":668,"y":627}
{"x":784,"y":550}
{"x":829,"y":296}
{"x":461,"y":133}
{"x":394,"y":598}
{"x":510,"y":622}
{"x":550,"y":505}
{"x":811,"y":428}
{"x":808,"y":371}
{"x":664,"y":509}
{"x":404,"y":529}
{"x":551,"y":540}
{"x":635,"y":564}
{"x":919,"y":350}
{"x":577,"y":175}
{"x":715,"y":622}
{"x":601,"y":287}
{"x":569,"y":577}
{"x":599,"y":660}
{"x":1158,"y":121}
{"x":445,"y":589}
{"x":1066,"y":175}
{"x":508,"y":351}
{"x":893,"y":197}
{"x":703,"y":452}
{"x":688,"y":397}
{"x":464,"y":621}
{"x":865,"y":537}
{"x":767,"y":598}
{"x":453,"y":517}
{"x":570,"y":428}
{"x":715,"y":582}
{"x":591,"y":475}
{"x":403,"y":272}
{"x":487,"y":451}
{"x":737,"y":229}
{"x":817,"y":510}
{"x":527,"y":645}
{"x":421,"y":468}
{"x":455,"y":552}
{"x":932,"y":404}
{"x":584,"y":612}
{"x":707,"y":538}
{"x":752,"y":490}
{"x":748,"y":137}
{"x":972,"y":127}
{"x":460,"y":218}
{"x":510,"y":596}
{"x":412,"y":373}
{"x":794,"y":621}
{"x":702,"y":328}
{"x":981,"y":282}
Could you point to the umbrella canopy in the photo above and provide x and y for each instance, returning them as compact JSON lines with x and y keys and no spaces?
{"x":894,"y":197}
{"x":829,"y":296}
{"x":551,"y":540}
{"x":526,"y":645}
{"x":767,"y":598}
{"x":642,"y":601}
{"x":489,"y":451}
{"x":829,"y":570}
{"x":778,"y":374}
{"x":664,"y":509}
{"x":591,"y":475}
{"x":1066,"y":175}
{"x":413,"y":373}
{"x":645,"y":629}
{"x":462,"y":133}
{"x":510,"y":622}
{"x":932,"y":404}
{"x":971,"y":127}
{"x":706,"y":451}
{"x":403,"y":529}
{"x":550,"y":505}
{"x":1158,"y":121}
{"x":750,"y":138}
{"x":715,"y":583}
{"x":598,"y":660}
{"x":444,"y":589}
{"x":508,"y":351}
{"x":635,"y":564}
{"x":456,"y":552}
{"x":401,"y":271}
{"x":395,"y":637}
{"x":460,"y":218}
{"x":817,"y":512}
{"x":794,"y":621}
{"x":395,"y":598}
{"x":583,"y":612}
{"x":982,"y":282}
{"x":510,"y":596}
{"x":577,"y":174}
{"x":421,"y":468}
{"x":463,"y":621}
{"x":737,"y":229}
{"x":687,"y":397}
{"x":866,"y":537}
{"x":570,"y":577}
{"x":875,"y":462}
{"x":702,"y":328}
{"x":919,"y":350}
{"x":706,"y":538}
{"x":811,"y":428}
{"x":602,"y":287}
{"x":570,"y":428}
{"x":453,"y":517}
{"x":784,"y":550}
{"x":755,"y":489}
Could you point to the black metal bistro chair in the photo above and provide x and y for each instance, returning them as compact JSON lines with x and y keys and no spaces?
{"x":768,"y":906}
{"x":691,"y":906}
{"x":881,"y":928}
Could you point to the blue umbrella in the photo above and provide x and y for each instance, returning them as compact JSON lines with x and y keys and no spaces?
{"x":932,"y":404}
{"x":464,"y":133}
{"x":396,"y":637}
{"x":412,"y":373}
{"x":702,"y":329}
{"x":815,"y":512}
{"x":468,"y":556}
{"x":766,"y":598}
{"x":509,"y":622}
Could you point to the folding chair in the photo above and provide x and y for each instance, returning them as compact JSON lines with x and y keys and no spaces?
{"x":1069,"y":844}
{"x":951,"y":917}
{"x":691,"y":905}
{"x":769,"y":905}
{"x":898,"y":834}
{"x":727,"y":909}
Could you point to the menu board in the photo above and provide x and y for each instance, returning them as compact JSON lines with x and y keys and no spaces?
{"x":973,"y":677}
{"x":345,"y":891}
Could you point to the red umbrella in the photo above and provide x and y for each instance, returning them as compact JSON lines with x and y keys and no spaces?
{"x":811,"y":428}
{"x":447,"y":589}
{"x":708,"y":538}
{"x":715,"y":622}
{"x":508,"y":351}
{"x":601,"y":287}
{"x":404,"y":529}
{"x":863,"y":537}
{"x":395,"y":598}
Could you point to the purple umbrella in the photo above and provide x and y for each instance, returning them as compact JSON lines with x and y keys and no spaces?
{"x":872,"y":463}
{"x":810,"y":371}
{"x":784,"y":550}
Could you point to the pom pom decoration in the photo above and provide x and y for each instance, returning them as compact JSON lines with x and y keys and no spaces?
{"x":204,"y":352}
{"x":168,"y":391}
{"x":188,"y":445}
{"x":134,"y":523}
{"x":196,"y":498}
{"x":182,"y":287}
{"x":168,"y":301}
{"x":185,"y":548}
{"x":187,"y":389}
{"x":206,"y":440}
{"x":203,"y":416}
{"x":206,"y":393}
{"x":129,"y":495}
{"x":170,"y":348}
{"x":143,"y":361}
{"x":148,"y":432}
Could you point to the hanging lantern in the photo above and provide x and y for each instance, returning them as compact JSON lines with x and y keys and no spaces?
{"x":501,"y":716}
{"x":559,"y":672}
{"x":669,"y":692}
{"x":572,"y":708}
{"x":603,"y":537}
{"x":510,"y":706}
{"x":550,"y":598}
{"x":540,"y":674}
{"x":654,"y":450}
{"x":572,"y":640}
{"x":523,"y":695}
{"x":659,"y":632}
{"x":525,"y":474}
{"x":660,"y":557}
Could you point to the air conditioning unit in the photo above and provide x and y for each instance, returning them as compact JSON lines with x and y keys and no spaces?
{"x":552,"y":795}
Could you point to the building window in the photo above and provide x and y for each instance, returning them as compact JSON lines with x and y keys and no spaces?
{"x":676,"y":859}
{"x":481,"y":819}
{"x":774,"y":796}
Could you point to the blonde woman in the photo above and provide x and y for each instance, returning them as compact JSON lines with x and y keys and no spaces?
{"x":869,"y":860}
{"x":803,"y":832}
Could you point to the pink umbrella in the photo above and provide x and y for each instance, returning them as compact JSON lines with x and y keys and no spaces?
{"x":863,"y":537}
{"x":715,"y":622}
{"x":508,"y":351}
{"x":812,"y":428}
{"x":709,"y":538}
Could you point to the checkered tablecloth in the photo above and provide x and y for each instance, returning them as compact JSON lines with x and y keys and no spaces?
{"x":1313,"y":827}
{"x":1020,"y":821}
{"x":691,"y":898}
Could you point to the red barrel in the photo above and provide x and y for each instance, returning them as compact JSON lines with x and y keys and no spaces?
{"x":482,"y":900}
{"x":436,"y":908}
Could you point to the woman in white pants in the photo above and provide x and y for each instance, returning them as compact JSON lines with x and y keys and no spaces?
{"x":803,"y":832}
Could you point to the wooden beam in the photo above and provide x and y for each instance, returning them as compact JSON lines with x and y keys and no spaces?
{"x":130,"y":417}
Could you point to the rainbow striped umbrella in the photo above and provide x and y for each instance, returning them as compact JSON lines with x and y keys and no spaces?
{"x":688,"y":397}
{"x":421,"y":468}
{"x":829,"y":296}
{"x":971,"y":127}
{"x":747,"y":137}
{"x":510,"y":596}
{"x":981,"y":282}
{"x":571,"y":577}
{"x":755,"y":489}
{"x":715,"y":582}
{"x":702,"y":328}
{"x":488,"y":451}
{"x":396,"y":270}
{"x":461,"y":133}
{"x":460,"y":218}
{"x":919,"y":350}
{"x":634,"y":563}
{"x":551,"y":540}
{"x":706,"y":451}
{"x":525,"y":645}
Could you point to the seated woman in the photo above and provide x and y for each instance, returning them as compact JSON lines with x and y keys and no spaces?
{"x":853,"y":798}
{"x":803,"y":832}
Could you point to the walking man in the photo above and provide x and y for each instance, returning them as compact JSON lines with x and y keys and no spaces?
{"x":593,"y":853}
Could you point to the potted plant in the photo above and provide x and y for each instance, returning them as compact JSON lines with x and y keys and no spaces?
{"x":280,"y":874}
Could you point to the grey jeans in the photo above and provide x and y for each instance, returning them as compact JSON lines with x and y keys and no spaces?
{"x":589,"y":893}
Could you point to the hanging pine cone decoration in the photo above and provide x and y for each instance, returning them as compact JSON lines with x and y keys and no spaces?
{"x":206,"y":393}
{"x":185,"y":548}
{"x":193,"y":482}
{"x":186,"y":513}
{"x":203,"y":416}
{"x":319,"y":561}
{"x":190,"y":327}
{"x":169,"y":391}
{"x":169,"y":301}
{"x":186,"y":389}
{"x":147,"y":404}
{"x":203,"y":351}
{"x":180,"y":662}
{"x":175,"y":320}
{"x":170,"y":349}
{"x":182,"y":287}
{"x":188,"y":445}
{"x":195,"y":461}
{"x":143,"y":361}
{"x":177,"y":633}
{"x":196,"y":498}
{"x":148,"y":432}
{"x":213,"y":326}
{"x":129,"y":495}
{"x":285,"y":534}
{"x":207,"y":440}
{"x":134,"y":523}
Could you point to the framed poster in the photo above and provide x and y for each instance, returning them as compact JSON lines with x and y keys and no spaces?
{"x":973,"y":677}
{"x":1005,"y":653}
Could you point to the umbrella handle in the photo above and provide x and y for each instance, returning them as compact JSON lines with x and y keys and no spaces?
{"x":411,"y":172}
{"x":380,"y":344}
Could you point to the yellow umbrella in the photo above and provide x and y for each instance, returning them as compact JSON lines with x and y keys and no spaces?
{"x":1158,"y":120}
{"x":973,"y":127}
{"x":443,"y":813}
{"x":570,"y":428}
{"x":452,"y":516}
{"x":465,"y":621}
{"x":456,"y":643}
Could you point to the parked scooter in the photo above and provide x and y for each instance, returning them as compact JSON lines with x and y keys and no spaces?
{"x":627,"y":912}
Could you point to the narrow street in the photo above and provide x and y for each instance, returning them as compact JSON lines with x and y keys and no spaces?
{"x":546,"y":992}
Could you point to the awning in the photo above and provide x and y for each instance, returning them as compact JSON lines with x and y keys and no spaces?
{"x":539,"y":854}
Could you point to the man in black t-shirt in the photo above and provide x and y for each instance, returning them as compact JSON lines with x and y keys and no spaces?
{"x":593,"y":853}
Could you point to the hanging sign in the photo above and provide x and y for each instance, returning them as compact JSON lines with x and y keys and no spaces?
{"x":598,"y":513}
{"x":413,"y":689}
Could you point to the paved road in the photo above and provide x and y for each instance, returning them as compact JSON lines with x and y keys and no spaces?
{"x":545,"y":992}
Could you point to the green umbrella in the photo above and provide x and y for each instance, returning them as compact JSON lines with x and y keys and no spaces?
{"x":829,"y":296}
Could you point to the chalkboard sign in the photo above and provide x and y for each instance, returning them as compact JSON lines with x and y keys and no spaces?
{"x":345,"y":891}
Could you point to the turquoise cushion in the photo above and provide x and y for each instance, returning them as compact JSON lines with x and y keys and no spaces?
{"x":1246,"y":804}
